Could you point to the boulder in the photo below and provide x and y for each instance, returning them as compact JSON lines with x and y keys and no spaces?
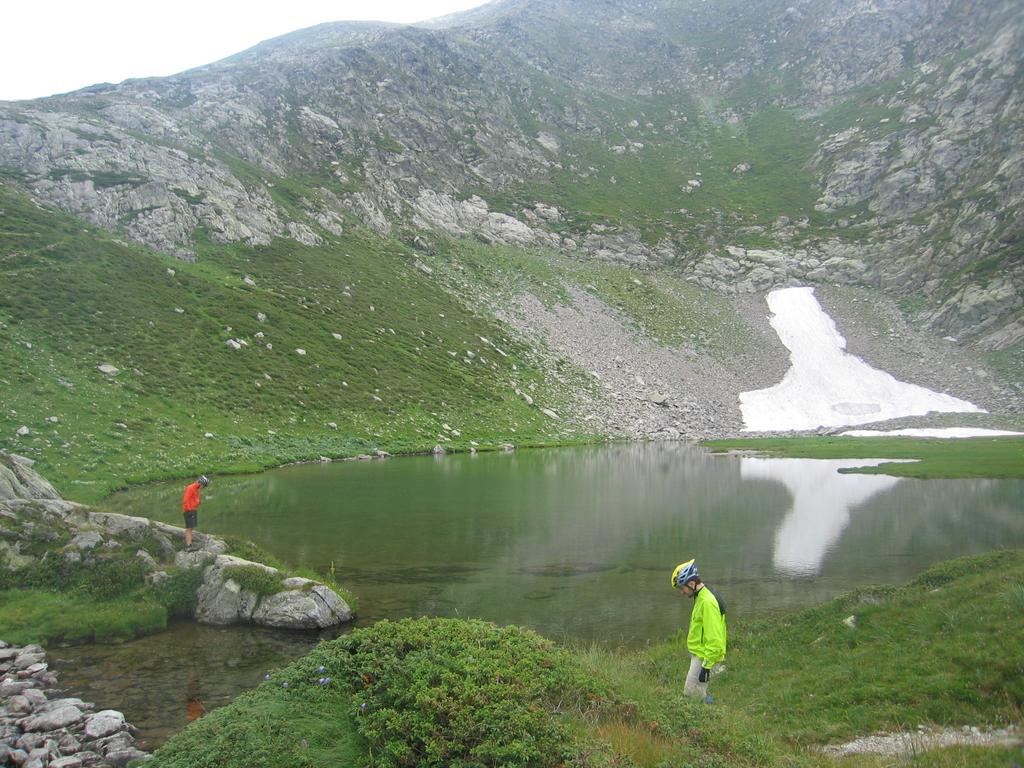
{"x":14,"y":687}
{"x":148,"y":561}
{"x":36,"y":697}
{"x":210,"y":545}
{"x":122,"y":757}
{"x":69,"y":745}
{"x":19,"y":481}
{"x":29,"y":741}
{"x":193,"y":559}
{"x":120,"y":525}
{"x":104,"y":723}
{"x":314,"y":608}
{"x":19,"y":705}
{"x":61,"y":717}
{"x":68,"y":702}
{"x":86,"y":540}
{"x":27,"y":658}
{"x":223,"y":601}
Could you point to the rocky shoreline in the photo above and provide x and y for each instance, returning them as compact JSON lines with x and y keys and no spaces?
{"x":41,"y":728}
{"x":31,"y":511}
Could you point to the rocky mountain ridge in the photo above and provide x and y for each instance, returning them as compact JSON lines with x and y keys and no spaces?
{"x":912,"y":112}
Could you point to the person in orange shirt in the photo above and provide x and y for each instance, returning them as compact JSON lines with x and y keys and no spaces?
{"x":190,"y":506}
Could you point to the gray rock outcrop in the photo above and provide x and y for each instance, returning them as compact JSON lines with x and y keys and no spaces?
{"x":19,"y":481}
{"x":307,"y":606}
{"x":299,"y":603}
{"x":84,"y":536}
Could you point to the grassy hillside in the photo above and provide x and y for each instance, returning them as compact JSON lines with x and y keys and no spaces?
{"x":945,"y":650}
{"x":640,"y":173}
{"x":410,"y":358}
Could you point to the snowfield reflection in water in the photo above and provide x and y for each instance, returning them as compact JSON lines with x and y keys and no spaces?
{"x":823,"y":500}
{"x":826,"y":386}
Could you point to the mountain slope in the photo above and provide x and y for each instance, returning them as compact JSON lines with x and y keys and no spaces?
{"x":561,"y":178}
{"x":209,"y":367}
{"x":886,"y":131}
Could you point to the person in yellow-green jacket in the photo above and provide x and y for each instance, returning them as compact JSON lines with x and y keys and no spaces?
{"x":706,"y":638}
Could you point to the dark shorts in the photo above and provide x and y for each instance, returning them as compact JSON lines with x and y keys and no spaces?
{"x":190,"y":519}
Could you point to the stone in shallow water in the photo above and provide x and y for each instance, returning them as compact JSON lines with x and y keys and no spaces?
{"x":318,"y":607}
{"x":19,"y":705}
{"x":26,"y":660}
{"x":103,"y":724}
{"x":53,"y":721}
{"x":124,"y":756}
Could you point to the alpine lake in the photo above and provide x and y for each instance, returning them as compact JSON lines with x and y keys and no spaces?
{"x":576,"y":543}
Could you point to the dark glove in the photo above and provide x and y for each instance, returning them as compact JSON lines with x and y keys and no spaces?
{"x":705,"y":675}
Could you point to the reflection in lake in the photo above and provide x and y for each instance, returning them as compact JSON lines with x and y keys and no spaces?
{"x":822,"y":501}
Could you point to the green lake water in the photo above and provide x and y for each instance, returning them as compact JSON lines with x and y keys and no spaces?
{"x":576,"y":543}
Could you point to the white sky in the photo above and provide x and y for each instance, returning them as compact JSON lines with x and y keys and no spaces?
{"x":62,"y":45}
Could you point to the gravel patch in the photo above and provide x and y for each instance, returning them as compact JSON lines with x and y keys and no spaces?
{"x":924,"y":739}
{"x":642,"y":389}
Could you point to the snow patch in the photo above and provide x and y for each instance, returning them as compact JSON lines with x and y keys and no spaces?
{"x":947,"y":433}
{"x":826,"y":386}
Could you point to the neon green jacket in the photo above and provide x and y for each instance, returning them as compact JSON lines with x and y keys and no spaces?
{"x":706,"y":638}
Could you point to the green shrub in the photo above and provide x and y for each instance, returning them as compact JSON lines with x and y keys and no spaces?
{"x":950,"y":570}
{"x":110,"y":578}
{"x":271,"y":728}
{"x":1014,"y":596}
{"x":446,"y":692}
{"x":247,"y":550}
{"x":178,"y":592}
{"x":102,"y":577}
{"x":255,"y":579}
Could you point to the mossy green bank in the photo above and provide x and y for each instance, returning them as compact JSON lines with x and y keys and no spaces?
{"x":994,"y":457}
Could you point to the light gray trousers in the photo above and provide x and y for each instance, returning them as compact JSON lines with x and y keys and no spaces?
{"x":693,"y":687}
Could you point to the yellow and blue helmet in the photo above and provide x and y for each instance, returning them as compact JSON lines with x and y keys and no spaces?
{"x":683,"y":573}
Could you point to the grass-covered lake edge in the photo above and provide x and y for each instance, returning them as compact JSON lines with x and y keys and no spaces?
{"x":945,"y":650}
{"x":923,"y":458}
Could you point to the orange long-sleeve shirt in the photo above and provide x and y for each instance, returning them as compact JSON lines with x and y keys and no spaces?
{"x":190,"y":501}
